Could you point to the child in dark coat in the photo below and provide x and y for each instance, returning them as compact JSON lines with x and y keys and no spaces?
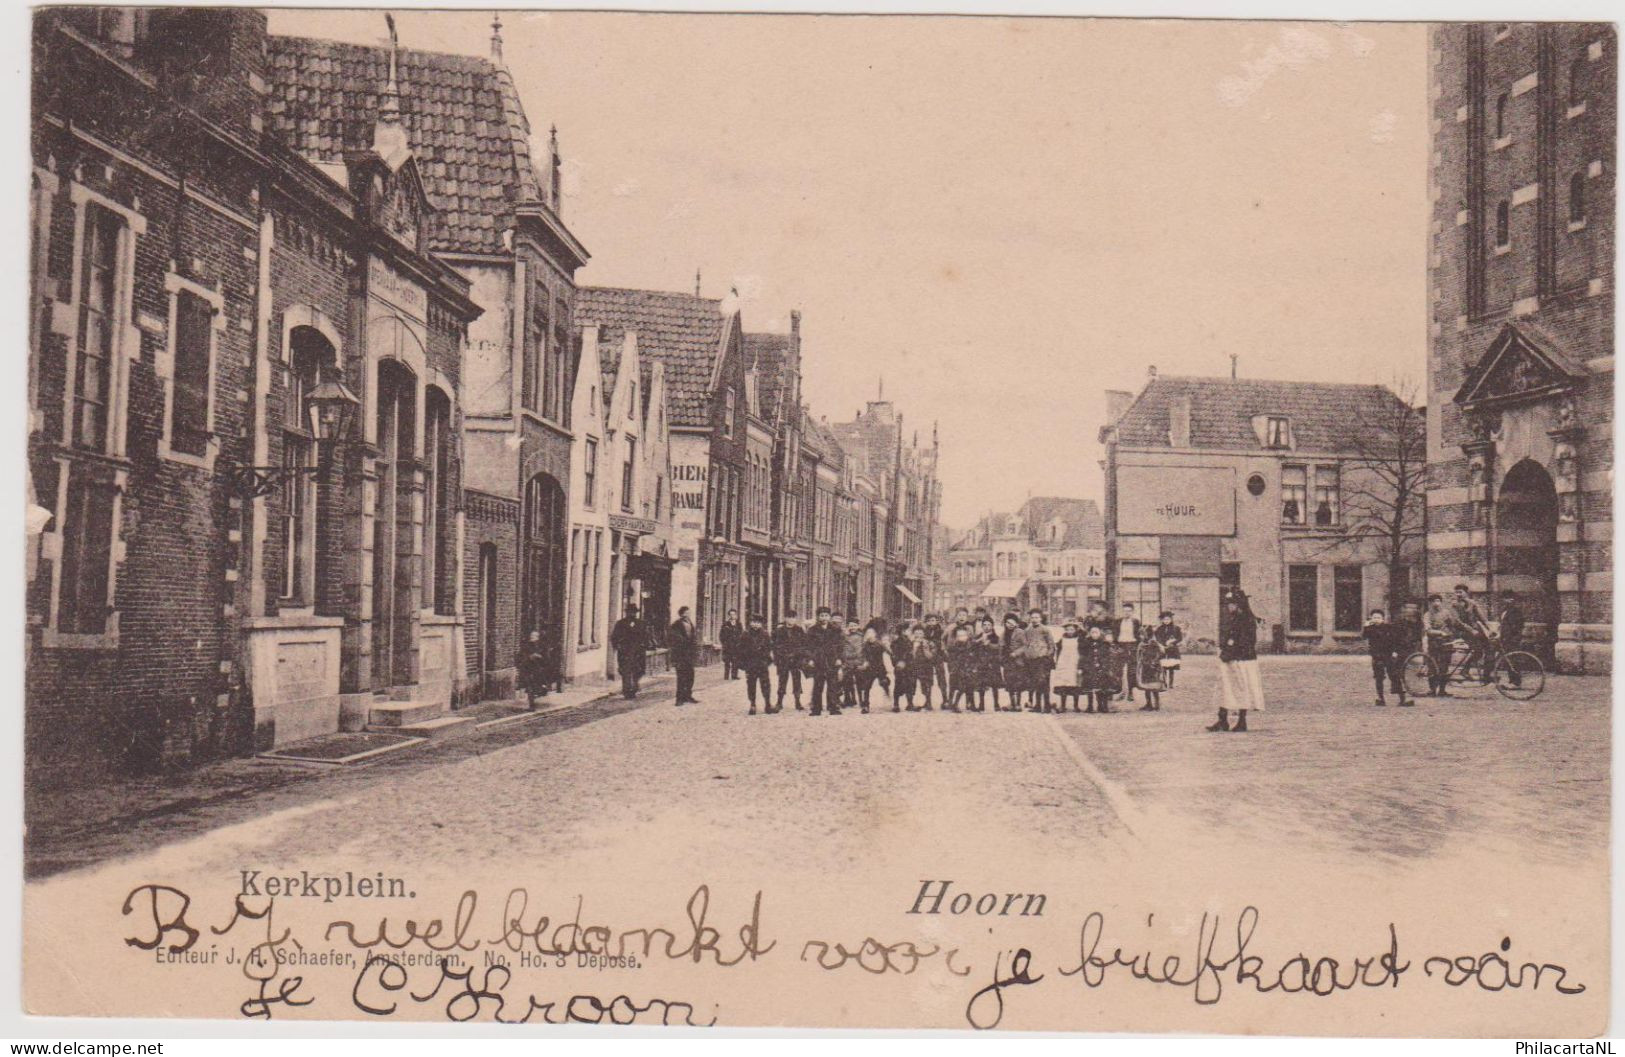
{"x":1097,"y":669}
{"x":1387,"y":655}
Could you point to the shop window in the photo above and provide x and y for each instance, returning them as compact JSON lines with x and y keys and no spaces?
{"x":1141,"y":584}
{"x":1303,"y":598}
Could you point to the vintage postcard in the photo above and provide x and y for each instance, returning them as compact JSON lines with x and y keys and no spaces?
{"x":829,"y":521}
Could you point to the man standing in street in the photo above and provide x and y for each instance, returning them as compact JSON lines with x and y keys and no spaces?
{"x":824,"y":641}
{"x":730,"y":635}
{"x":1509,"y":629}
{"x":630,"y":637}
{"x":789,"y":651}
{"x":1126,"y":638}
{"x":755,"y":651}
{"x":682,"y":642}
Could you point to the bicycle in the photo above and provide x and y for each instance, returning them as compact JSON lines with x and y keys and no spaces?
{"x":1517,"y":674}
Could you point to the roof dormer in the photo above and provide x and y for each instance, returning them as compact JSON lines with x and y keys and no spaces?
{"x":1274,"y":432}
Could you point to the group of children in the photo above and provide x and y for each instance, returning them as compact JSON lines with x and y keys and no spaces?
{"x":962,"y":663}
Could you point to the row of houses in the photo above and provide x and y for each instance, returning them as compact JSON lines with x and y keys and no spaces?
{"x":323,"y":427}
{"x":1048,"y":555}
{"x":1323,"y":501}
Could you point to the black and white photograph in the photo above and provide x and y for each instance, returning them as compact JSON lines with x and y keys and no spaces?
{"x":757,"y":520}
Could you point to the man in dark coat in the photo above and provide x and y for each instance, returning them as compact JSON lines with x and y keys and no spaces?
{"x":732,"y":631}
{"x":755,"y":653}
{"x":789,"y":650}
{"x":630,"y":637}
{"x":936,"y":635}
{"x":824,"y":641}
{"x":682,"y":642}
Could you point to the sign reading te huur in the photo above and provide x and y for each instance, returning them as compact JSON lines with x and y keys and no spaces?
{"x":1176,"y":501}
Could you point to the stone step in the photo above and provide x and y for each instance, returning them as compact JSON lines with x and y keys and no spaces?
{"x":442,"y":726}
{"x":390,"y":715}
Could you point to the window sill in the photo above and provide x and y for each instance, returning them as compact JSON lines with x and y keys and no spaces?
{"x":1503,"y":249}
{"x":200,"y":462}
{"x":1501,"y":144}
{"x":1576,"y":225}
{"x":1314,"y":635}
{"x":587,"y":647}
{"x":61,"y":640}
{"x":1577,"y":110}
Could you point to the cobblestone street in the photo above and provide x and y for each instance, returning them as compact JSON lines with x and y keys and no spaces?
{"x":1323,"y":770}
{"x":632,"y":806}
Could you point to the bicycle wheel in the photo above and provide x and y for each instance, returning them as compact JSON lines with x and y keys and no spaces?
{"x":1417,"y":675}
{"x":1519,"y":676}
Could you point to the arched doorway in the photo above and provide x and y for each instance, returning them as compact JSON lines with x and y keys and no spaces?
{"x":544,"y":566}
{"x":1526,"y":548}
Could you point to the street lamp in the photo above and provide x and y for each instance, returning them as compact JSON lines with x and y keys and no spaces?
{"x":330,"y":408}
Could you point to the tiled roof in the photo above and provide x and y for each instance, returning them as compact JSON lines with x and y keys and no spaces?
{"x":822,"y":439}
{"x":1323,"y":414}
{"x":769,"y":354}
{"x":682,"y":331}
{"x":1084,"y":526}
{"x":462,"y":118}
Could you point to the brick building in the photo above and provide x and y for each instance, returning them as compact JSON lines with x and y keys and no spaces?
{"x":502,"y":231}
{"x":198,"y":292}
{"x":1521,"y":343}
{"x":1266,"y":485}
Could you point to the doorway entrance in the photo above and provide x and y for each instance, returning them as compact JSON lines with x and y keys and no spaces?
{"x":1526,"y":550}
{"x":544,"y":567}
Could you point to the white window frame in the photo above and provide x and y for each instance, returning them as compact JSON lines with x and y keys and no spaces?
{"x":64,"y":322}
{"x":589,"y":472}
{"x":174,"y":286}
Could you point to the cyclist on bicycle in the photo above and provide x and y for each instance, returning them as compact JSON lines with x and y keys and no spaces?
{"x":1472,"y":624}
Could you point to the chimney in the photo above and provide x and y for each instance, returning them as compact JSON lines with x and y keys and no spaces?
{"x":1179,"y":422}
{"x":1233,"y":358}
{"x":1117,"y":402}
{"x":1151,"y":372}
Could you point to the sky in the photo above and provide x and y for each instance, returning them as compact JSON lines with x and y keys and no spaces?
{"x":1000,"y":218}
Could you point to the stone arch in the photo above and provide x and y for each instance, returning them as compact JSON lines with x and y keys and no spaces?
{"x":1525,"y":555}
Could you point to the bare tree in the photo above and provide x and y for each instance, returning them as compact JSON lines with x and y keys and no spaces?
{"x":1384,"y":484}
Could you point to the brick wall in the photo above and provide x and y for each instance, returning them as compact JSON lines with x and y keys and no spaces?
{"x":158,"y":695}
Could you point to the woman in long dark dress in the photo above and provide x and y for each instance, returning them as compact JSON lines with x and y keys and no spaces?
{"x":1241,"y":685}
